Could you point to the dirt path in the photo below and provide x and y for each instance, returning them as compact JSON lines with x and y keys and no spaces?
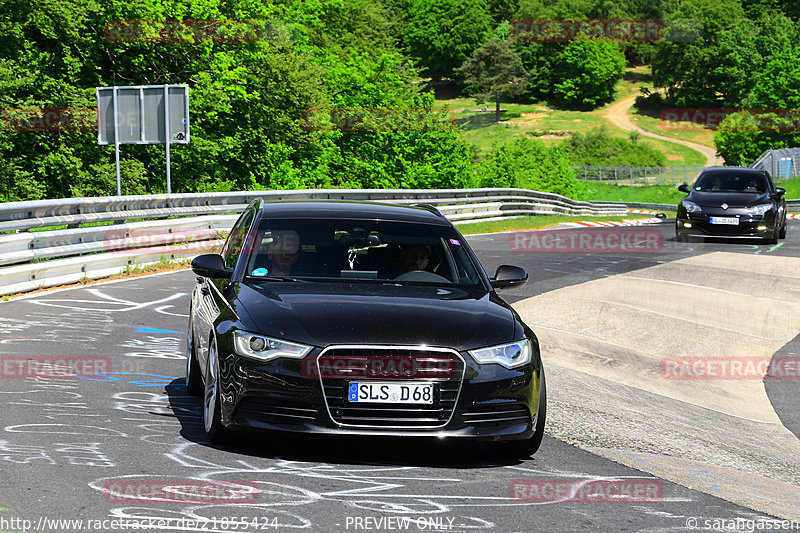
{"x":617,"y":114}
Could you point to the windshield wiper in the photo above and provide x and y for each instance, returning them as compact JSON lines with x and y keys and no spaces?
{"x":271,"y":278}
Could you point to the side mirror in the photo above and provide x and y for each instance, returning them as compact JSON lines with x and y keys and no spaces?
{"x":683,"y":187}
{"x":508,"y":276}
{"x":780,"y":191}
{"x":210,"y":266}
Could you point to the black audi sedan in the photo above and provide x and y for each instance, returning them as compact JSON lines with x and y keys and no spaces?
{"x":732,"y":202}
{"x":360,"y":318}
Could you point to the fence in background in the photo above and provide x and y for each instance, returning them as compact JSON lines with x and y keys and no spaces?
{"x":638,"y":175}
{"x":47,"y":242}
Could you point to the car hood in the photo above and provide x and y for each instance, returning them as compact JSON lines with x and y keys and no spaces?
{"x":322,"y":314}
{"x":733,"y":199}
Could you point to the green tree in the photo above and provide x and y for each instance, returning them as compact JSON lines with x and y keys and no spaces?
{"x":529,"y":164}
{"x":585,"y":73}
{"x":494,"y":72}
{"x":774,"y":120}
{"x":685,"y":58}
{"x":742,"y":137}
{"x":442,"y":34}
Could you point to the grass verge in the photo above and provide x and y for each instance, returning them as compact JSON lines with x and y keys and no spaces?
{"x":654,"y":194}
{"x":532,"y":222}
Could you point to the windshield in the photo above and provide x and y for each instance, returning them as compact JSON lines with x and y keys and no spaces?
{"x":731,"y":182}
{"x":360,"y":250}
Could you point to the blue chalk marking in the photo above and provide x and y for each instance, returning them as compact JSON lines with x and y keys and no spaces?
{"x":158,"y":330}
{"x":110,"y":376}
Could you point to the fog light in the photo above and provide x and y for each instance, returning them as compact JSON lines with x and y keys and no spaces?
{"x":761,"y":228}
{"x":687,"y":224}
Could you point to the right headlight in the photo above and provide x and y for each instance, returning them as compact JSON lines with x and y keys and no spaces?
{"x":691,"y":207}
{"x":758,"y":209}
{"x":267,"y":348}
{"x":509,"y":355}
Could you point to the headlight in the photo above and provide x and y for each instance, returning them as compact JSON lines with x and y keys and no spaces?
{"x":758,"y":209}
{"x":266,"y":348}
{"x":509,"y":355}
{"x":691,"y":207}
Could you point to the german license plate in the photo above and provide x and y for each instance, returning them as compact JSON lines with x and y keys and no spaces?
{"x":730,"y":221}
{"x":388,"y":392}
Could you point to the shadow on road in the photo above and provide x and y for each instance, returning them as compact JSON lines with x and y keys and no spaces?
{"x":430,"y":452}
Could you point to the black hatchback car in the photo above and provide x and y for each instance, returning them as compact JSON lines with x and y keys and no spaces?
{"x":362,"y":319}
{"x":732,"y":202}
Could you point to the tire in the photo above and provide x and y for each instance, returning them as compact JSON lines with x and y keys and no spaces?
{"x":782,"y":233}
{"x":194,"y":381}
{"x":522,"y":449}
{"x":775,"y":235}
{"x":212,"y":417}
{"x":680,"y":236}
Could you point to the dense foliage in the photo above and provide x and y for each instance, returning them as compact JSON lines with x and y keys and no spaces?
{"x":529,"y":164}
{"x":600,"y":145}
{"x":360,"y":67}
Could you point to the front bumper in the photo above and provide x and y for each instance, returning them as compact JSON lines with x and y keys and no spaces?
{"x":699,"y":224}
{"x":483,"y":402}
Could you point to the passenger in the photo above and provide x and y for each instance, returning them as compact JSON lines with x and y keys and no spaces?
{"x":283,"y":251}
{"x":414,"y":258}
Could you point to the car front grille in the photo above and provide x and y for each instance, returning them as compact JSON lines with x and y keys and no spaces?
{"x":338,"y":366}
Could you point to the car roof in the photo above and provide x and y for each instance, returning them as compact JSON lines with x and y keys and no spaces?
{"x":740,"y":170}
{"x":345,"y":209}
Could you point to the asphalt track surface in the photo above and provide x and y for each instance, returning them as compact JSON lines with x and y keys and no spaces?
{"x":65,"y":442}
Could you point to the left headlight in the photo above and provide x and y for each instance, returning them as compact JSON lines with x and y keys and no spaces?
{"x":266,"y":348}
{"x":509,"y":355}
{"x":758,"y":209}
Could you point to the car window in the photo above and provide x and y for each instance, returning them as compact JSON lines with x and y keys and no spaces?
{"x":732,"y":182}
{"x":361,"y":251}
{"x":235,"y":241}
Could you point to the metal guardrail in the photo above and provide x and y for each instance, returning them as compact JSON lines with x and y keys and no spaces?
{"x":31,"y":260}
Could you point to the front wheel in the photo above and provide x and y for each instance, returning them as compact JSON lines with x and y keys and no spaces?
{"x":775,"y":235}
{"x":782,"y":233}
{"x":212,"y":417}
{"x":526,"y":447}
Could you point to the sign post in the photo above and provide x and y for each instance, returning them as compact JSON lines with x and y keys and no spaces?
{"x":147,"y":114}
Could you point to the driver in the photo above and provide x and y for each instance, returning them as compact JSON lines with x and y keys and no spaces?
{"x":283,"y":251}
{"x":414,"y":258}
